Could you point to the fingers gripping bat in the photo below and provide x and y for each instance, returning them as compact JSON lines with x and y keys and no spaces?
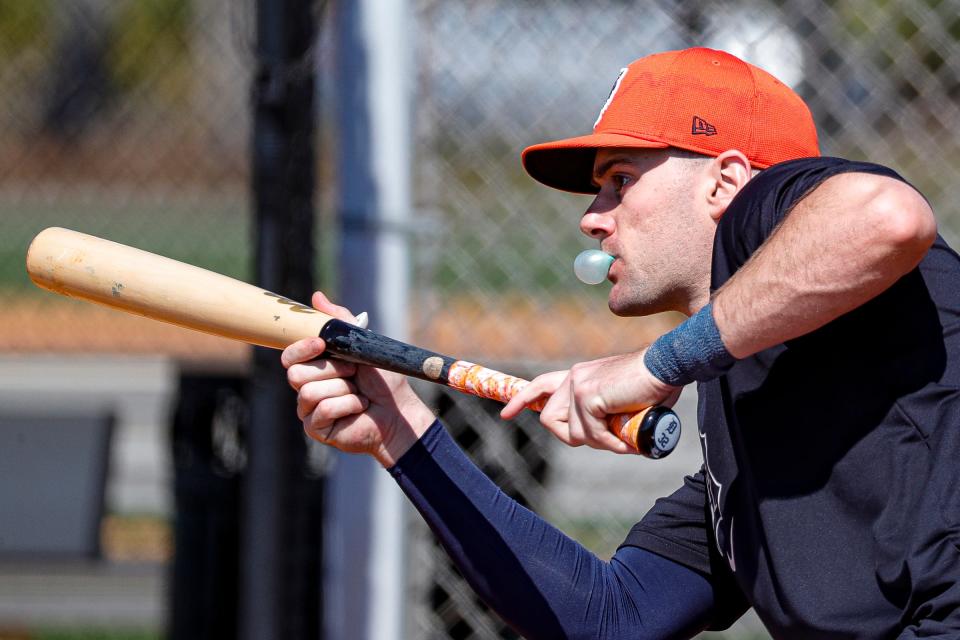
{"x":90,"y":268}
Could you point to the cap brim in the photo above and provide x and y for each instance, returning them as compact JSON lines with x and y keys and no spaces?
{"x":568,"y":164}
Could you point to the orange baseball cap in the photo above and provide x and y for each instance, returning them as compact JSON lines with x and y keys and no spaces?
{"x":701,"y":100}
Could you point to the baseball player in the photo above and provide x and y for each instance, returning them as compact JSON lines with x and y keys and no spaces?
{"x":823,"y":335}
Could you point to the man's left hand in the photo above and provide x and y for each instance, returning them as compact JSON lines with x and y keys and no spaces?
{"x":581,"y":400}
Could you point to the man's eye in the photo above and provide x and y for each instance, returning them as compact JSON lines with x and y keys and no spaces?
{"x":620,"y":181}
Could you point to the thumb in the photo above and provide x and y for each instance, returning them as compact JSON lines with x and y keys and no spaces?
{"x":321,"y":303}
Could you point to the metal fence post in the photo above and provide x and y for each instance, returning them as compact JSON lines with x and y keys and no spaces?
{"x":366,"y":526}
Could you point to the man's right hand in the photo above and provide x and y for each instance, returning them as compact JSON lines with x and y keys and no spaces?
{"x":354,"y":408}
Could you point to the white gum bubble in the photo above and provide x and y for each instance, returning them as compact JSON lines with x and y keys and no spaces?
{"x":592,"y":265}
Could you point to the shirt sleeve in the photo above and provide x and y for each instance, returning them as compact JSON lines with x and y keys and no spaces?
{"x":766,"y":200}
{"x":679,"y":527}
{"x":541,"y":582}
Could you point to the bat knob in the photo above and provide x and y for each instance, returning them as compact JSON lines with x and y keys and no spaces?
{"x":659,"y":432}
{"x":653,"y":432}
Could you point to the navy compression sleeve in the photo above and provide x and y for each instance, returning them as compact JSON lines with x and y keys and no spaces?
{"x":541,"y":582}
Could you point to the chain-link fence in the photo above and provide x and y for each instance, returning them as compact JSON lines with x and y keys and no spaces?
{"x":881,"y":79}
{"x":130,"y":119}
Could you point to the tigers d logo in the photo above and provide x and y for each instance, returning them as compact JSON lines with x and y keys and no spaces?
{"x":613,"y":92}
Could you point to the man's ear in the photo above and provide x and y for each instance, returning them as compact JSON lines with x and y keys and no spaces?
{"x":729,"y":172}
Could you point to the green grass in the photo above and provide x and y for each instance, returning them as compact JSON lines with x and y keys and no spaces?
{"x":95,"y":634}
{"x":211,"y":234}
{"x":216,"y":234}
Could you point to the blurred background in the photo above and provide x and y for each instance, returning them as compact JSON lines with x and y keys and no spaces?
{"x":153,"y":482}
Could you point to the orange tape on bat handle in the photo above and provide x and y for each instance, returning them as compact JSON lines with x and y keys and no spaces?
{"x":653,"y":432}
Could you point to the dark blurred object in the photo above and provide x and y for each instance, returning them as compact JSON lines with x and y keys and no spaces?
{"x":54,"y":472}
{"x":79,"y":85}
{"x":282,"y":526}
{"x":211,"y":426}
{"x":209,"y":455}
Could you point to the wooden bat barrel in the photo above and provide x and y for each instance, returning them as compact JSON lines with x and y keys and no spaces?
{"x":115,"y":275}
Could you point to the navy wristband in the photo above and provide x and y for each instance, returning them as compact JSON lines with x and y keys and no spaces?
{"x":692,"y":351}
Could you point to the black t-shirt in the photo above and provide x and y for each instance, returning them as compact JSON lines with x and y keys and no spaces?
{"x":830,"y":495}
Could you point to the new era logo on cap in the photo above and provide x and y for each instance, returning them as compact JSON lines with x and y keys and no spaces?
{"x":702,"y":128}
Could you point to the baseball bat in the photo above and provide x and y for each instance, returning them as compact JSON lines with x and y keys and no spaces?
{"x":82,"y":266}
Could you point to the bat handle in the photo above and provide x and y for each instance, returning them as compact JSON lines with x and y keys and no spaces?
{"x":653,"y":432}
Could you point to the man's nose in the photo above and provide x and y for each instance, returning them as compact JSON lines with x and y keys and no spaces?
{"x":597,"y":221}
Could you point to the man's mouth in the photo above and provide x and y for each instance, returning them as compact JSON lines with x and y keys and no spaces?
{"x":611,"y":276}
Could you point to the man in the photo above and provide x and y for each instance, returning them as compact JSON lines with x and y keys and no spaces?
{"x":823,"y":334}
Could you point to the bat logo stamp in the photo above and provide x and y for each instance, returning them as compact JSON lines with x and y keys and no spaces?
{"x":296,"y":307}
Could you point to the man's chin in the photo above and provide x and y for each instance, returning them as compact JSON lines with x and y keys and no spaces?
{"x":625,"y":309}
{"x":631,"y":308}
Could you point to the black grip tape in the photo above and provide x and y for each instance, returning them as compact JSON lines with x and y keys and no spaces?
{"x":353,"y":344}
